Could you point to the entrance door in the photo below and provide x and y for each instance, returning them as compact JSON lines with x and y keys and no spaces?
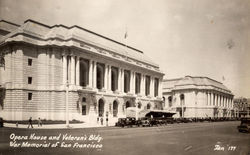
{"x":101,"y":108}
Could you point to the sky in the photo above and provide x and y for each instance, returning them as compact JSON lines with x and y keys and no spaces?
{"x":185,"y":37}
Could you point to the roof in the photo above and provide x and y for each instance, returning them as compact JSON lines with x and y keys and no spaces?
{"x":189,"y":82}
{"x":61,"y":35}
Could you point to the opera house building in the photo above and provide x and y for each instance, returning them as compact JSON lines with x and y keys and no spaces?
{"x":54,"y":72}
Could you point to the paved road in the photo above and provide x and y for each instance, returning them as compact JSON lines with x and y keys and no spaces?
{"x":190,"y":138}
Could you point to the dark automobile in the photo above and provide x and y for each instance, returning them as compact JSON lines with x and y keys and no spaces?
{"x":1,"y":122}
{"x":144,"y":122}
{"x":244,"y":125}
{"x":129,"y":122}
{"x":121,"y":122}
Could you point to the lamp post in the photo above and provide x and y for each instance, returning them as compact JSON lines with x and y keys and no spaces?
{"x":67,"y":104}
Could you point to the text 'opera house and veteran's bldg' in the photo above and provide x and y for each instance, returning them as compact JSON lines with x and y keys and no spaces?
{"x":104,"y":76}
{"x":197,"y":97}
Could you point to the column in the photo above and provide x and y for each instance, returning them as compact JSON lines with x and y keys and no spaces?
{"x":91,"y":74}
{"x":142,"y":84}
{"x":131,"y":82}
{"x":106,"y":77}
{"x":64,"y":57}
{"x":208,"y":99}
{"x":119,"y":79}
{"x":94,"y":75}
{"x":215,"y":99}
{"x":212,"y":98}
{"x":122,"y":80}
{"x":152,"y":86}
{"x":160,"y":88}
{"x":109,"y":77}
{"x":77,"y":71}
{"x":72,"y":69}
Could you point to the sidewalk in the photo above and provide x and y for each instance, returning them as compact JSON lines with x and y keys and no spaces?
{"x":55,"y":126}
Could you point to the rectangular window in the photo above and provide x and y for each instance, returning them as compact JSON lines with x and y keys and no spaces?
{"x":147,"y":85}
{"x":29,"y":96}
{"x":137,"y":83}
{"x":29,"y":80}
{"x":156,"y":87}
{"x":29,"y":62}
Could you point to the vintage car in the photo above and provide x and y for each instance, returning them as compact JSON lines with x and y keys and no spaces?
{"x":144,"y":122}
{"x":244,"y":125}
{"x":1,"y":122}
{"x":129,"y":122}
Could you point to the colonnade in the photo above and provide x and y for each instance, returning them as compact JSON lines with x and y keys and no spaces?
{"x":218,"y":99}
{"x":71,"y":74}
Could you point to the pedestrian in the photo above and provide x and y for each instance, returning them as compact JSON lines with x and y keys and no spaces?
{"x":39,"y":122}
{"x":107,"y":121}
{"x":97,"y":120}
{"x":30,"y":123}
{"x":101,"y":121}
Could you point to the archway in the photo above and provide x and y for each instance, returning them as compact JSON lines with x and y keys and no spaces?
{"x":148,"y":106}
{"x":128,"y":104}
{"x":115,"y":108}
{"x":101,"y":108}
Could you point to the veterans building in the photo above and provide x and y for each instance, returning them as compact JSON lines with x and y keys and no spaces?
{"x":47,"y":69}
{"x":197,"y":97}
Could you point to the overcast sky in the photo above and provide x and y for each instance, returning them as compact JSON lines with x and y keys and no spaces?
{"x":185,"y":37}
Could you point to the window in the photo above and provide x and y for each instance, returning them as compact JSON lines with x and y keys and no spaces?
{"x":147,"y":90}
{"x":84,"y":72}
{"x":137,"y":83}
{"x":156,"y":87}
{"x":29,"y":80}
{"x":29,"y":96}
{"x":29,"y":62}
{"x":126,"y":81}
{"x":114,"y":78}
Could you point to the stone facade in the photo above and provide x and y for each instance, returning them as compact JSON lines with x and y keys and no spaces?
{"x":197,"y":97}
{"x":49,"y":67}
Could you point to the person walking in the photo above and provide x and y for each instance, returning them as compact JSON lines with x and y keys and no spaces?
{"x":30,"y":123}
{"x":107,"y":121}
{"x":101,"y":121}
{"x":39,"y":122}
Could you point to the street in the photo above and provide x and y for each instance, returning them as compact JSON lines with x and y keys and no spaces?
{"x":186,"y":138}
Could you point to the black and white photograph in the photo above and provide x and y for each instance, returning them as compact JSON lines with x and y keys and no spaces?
{"x":125,"y":77}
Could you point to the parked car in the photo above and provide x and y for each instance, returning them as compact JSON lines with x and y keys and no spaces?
{"x":121,"y":122}
{"x":244,"y":125}
{"x":1,"y":122}
{"x":144,"y":122}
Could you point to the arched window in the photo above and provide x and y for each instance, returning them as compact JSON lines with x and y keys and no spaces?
{"x":139,"y":105}
{"x":148,"y":106}
{"x":128,"y":104}
{"x":100,"y":75}
{"x":84,"y":72}
{"x":84,"y":106}
{"x":115,"y":108}
{"x":101,"y":108}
